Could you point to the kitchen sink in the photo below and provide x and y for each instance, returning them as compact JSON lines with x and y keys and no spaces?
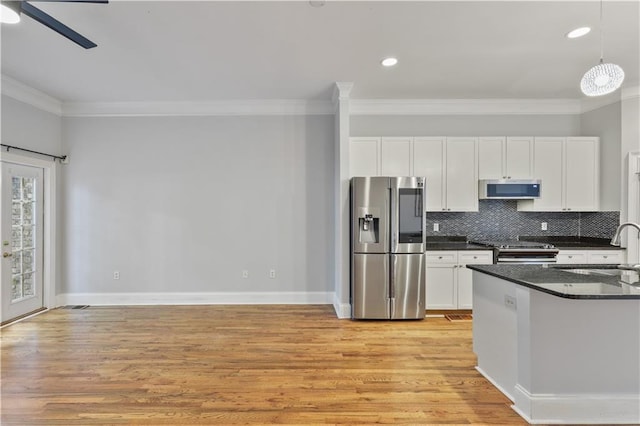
{"x":605,"y":272}
{"x":623,"y":273}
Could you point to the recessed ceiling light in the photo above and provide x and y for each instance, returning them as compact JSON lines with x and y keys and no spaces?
{"x":9,"y":14}
{"x":578,"y":32}
{"x":389,"y":62}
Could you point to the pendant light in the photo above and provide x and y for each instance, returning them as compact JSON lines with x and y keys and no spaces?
{"x":604,"y":78}
{"x":10,"y":12}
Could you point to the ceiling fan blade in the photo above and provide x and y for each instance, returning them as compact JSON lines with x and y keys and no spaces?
{"x":55,"y":25}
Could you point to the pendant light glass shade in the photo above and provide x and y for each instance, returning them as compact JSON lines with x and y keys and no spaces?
{"x":602,"y":79}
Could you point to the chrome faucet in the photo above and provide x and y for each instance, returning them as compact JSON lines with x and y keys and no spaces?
{"x":615,"y":241}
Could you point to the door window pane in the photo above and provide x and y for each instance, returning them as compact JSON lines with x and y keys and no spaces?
{"x":16,"y":263}
{"x":16,"y":287}
{"x":28,"y":289}
{"x":16,"y":213}
{"x":27,"y":237}
{"x":16,"y":237}
{"x":16,"y":188}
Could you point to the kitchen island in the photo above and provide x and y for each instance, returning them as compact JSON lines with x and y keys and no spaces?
{"x":561,"y":341}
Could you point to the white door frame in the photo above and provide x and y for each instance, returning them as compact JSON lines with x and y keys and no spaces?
{"x":49,"y":235}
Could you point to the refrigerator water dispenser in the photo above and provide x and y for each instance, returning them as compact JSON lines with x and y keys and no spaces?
{"x":369,"y":229}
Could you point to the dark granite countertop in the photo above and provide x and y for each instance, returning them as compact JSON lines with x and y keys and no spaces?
{"x":574,"y":243}
{"x":554,"y":280}
{"x":452,"y":243}
{"x":455,"y":246}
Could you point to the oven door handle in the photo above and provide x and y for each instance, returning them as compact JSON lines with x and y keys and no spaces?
{"x":527,"y":260}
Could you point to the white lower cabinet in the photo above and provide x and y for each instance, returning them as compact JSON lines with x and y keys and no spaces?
{"x":449,"y":281}
{"x":591,"y":256}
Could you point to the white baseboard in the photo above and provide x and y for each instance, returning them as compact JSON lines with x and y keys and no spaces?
{"x":223,"y":298}
{"x":577,"y":409}
{"x":494,"y":383}
{"x":343,"y":310}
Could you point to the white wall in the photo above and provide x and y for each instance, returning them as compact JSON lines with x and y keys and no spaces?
{"x":184,"y":204}
{"x":29,"y":127}
{"x":605,"y":123}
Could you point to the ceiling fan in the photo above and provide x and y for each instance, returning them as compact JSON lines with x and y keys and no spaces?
{"x":13,"y":9}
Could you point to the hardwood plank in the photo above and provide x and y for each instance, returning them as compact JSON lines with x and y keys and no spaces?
{"x":267,"y":364}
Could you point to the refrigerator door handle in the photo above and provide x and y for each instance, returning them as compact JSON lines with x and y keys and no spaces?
{"x":392,"y":285}
{"x":392,"y":281}
{"x":393,"y":217}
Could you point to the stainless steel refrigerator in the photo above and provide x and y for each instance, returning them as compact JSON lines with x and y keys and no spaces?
{"x":387,"y":247}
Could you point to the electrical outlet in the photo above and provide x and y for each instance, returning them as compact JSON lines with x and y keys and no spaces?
{"x":116,"y":275}
{"x":245,"y":273}
{"x":272,"y":273}
{"x":436,"y":227}
{"x":510,"y":301}
{"x":543,"y":226}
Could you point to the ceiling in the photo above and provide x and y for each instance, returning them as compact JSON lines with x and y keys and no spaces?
{"x":212,"y":50}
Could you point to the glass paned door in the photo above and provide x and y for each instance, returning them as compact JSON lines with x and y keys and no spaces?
{"x":22,"y":220}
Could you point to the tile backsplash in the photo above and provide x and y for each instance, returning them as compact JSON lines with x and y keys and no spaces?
{"x":500,"y":219}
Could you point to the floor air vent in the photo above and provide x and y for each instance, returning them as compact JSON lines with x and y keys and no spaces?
{"x":75,"y":307}
{"x":459,"y":317}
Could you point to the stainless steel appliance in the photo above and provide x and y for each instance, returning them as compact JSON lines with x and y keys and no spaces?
{"x":387,"y":246}
{"x":513,"y":251}
{"x":509,"y":189}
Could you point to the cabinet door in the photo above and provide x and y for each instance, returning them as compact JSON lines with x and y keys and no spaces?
{"x":395,"y":159}
{"x":581,"y":165}
{"x":461,"y":161}
{"x":519,"y":158}
{"x":364,"y":157}
{"x":605,"y":256}
{"x":491,"y":158}
{"x":441,"y":287}
{"x":428,"y":161}
{"x":465,"y":288}
{"x":547,"y":166}
{"x":571,"y":256}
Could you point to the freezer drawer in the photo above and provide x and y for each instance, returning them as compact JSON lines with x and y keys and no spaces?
{"x":407,"y":286}
{"x":370,"y":286}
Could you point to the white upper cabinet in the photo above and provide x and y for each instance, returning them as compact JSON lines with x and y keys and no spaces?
{"x":364,"y":157}
{"x":519,"y":158}
{"x":429,"y":161}
{"x":450,"y":168}
{"x":569,"y":170}
{"x":505,"y":158}
{"x":395,"y":158}
{"x":462,"y":174}
{"x":581,"y":174}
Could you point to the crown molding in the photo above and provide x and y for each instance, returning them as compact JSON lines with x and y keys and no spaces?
{"x":197,"y":108}
{"x":630,"y":92}
{"x":464,"y":106}
{"x":28,"y":95}
{"x":341,"y":91}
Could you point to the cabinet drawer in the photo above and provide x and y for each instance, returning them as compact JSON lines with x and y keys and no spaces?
{"x":441,"y":257}
{"x":571,"y":257}
{"x":608,"y":256}
{"x":475,"y":257}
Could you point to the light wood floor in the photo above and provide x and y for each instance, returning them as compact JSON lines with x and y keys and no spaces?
{"x":241,"y":364}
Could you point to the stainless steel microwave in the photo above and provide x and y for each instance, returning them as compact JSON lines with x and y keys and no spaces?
{"x":509,"y":189}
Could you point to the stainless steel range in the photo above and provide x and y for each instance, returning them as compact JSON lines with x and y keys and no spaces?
{"x":513,"y":251}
